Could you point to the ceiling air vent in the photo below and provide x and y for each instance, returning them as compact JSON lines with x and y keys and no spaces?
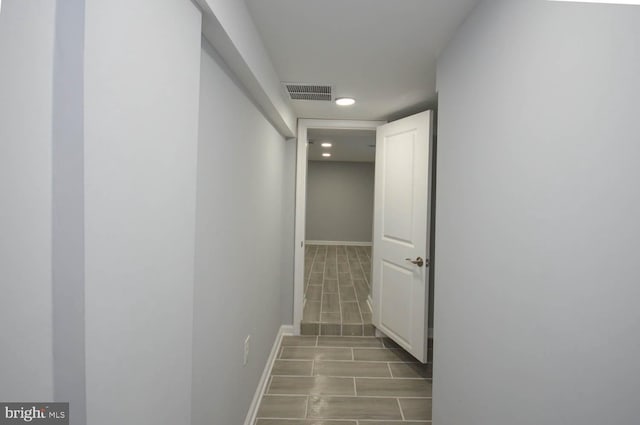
{"x":302,"y":91}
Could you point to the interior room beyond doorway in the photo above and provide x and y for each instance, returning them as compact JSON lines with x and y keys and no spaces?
{"x":339,"y":221}
{"x":337,"y":291}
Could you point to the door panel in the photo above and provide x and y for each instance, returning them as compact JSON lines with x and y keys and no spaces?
{"x":396,"y":288}
{"x":401,"y":231}
{"x":398,"y":221}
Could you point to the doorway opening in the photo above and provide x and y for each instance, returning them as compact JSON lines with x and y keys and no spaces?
{"x":339,"y":227}
{"x":334,"y":221}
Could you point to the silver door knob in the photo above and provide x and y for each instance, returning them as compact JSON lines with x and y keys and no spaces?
{"x":418,"y":261}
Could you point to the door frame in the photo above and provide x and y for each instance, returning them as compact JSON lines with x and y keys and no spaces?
{"x":301,"y":200}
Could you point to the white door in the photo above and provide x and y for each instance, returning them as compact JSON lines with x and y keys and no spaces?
{"x":401,"y":232}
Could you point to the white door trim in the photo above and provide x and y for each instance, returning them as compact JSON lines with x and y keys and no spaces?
{"x":301,"y":200}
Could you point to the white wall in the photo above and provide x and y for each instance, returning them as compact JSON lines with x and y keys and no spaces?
{"x":287,"y":240}
{"x":26,"y":79}
{"x":229,"y":27}
{"x":142,"y":73}
{"x":244,"y":243}
{"x":340,"y":201}
{"x":99,"y":135}
{"x":538,"y":236}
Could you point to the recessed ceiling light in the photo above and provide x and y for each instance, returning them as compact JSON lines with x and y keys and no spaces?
{"x":345,"y":101}
{"x":326,"y":145}
{"x":636,"y":2}
{"x":326,"y":154}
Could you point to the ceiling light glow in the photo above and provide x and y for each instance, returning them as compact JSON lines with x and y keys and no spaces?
{"x":326,"y":154}
{"x":326,"y":145}
{"x":345,"y":101}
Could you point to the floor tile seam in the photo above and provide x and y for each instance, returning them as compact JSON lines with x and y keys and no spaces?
{"x":278,"y":418}
{"x":364,"y":274}
{"x":372,"y":338}
{"x":315,"y":359}
{"x":293,"y":376}
{"x":339,"y":346}
{"x":329,"y":323}
{"x":363,"y":377}
{"x":387,"y":422}
{"x":310,"y":394}
{"x":359,"y":396}
{"x":415,"y":398}
{"x":321,"y":300}
{"x":339,"y":296}
{"x":360,"y":377}
{"x":400,"y":407}
{"x":294,"y":395}
{"x":353,"y":346}
{"x":394,"y":396}
{"x":357,"y":421}
{"x":348,"y":396}
{"x":400,"y":422}
{"x":355,"y":392}
{"x":365,"y":393}
{"x":299,"y":346}
{"x":315,"y":254}
{"x":334,"y":347}
{"x":337,"y":377}
{"x":385,"y":348}
{"x":355,"y":395}
{"x":275,"y":418}
{"x":269,"y":384}
{"x":390,"y":361}
{"x":357,"y":300}
{"x":361,"y":316}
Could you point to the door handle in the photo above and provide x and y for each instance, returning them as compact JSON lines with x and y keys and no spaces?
{"x":418,"y":261}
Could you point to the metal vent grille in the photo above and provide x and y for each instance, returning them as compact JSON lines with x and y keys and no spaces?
{"x":301,"y":91}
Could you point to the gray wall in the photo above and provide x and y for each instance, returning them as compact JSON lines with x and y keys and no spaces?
{"x":538,"y":237}
{"x":26,"y":90}
{"x":339,"y":201}
{"x":68,"y":224}
{"x":113,"y":154}
{"x":142,"y":78}
{"x":244,"y":246}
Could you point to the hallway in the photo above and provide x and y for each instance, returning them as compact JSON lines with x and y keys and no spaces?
{"x":157,"y":205}
{"x":328,"y":380}
{"x":337,"y":286}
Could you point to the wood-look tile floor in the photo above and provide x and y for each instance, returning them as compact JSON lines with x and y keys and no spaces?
{"x":337,"y":285}
{"x":338,"y":380}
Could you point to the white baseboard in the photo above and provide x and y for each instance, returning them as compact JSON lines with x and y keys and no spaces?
{"x":264,"y":379}
{"x":348,"y":243}
{"x":287,"y":330}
